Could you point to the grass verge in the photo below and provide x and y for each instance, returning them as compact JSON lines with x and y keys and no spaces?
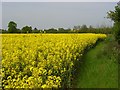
{"x":99,"y":66}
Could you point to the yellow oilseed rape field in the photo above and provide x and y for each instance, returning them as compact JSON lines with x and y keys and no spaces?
{"x":42,"y":60}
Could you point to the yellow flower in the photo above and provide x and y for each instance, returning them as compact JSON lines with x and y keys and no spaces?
{"x":35,"y":60}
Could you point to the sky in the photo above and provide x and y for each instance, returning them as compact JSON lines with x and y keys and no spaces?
{"x":0,"y":15}
{"x":44,"y":15}
{"x":59,"y":0}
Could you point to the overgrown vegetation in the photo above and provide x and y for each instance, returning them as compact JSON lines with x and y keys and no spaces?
{"x":99,"y":66}
{"x":115,"y":16}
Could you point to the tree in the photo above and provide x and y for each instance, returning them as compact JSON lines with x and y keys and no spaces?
{"x":27,"y":29}
{"x":4,"y":31}
{"x":35,"y":30}
{"x":84,"y":27}
{"x":12,"y":27}
{"x":51,"y":30}
{"x":77,"y":27}
{"x":90,"y":27}
{"x":60,"y":29}
{"x":115,"y":16}
{"x":18,"y":31}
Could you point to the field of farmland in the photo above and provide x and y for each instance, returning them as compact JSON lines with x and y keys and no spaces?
{"x":42,"y":60}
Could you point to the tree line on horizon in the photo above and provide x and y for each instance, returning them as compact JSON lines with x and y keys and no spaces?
{"x":12,"y":28}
